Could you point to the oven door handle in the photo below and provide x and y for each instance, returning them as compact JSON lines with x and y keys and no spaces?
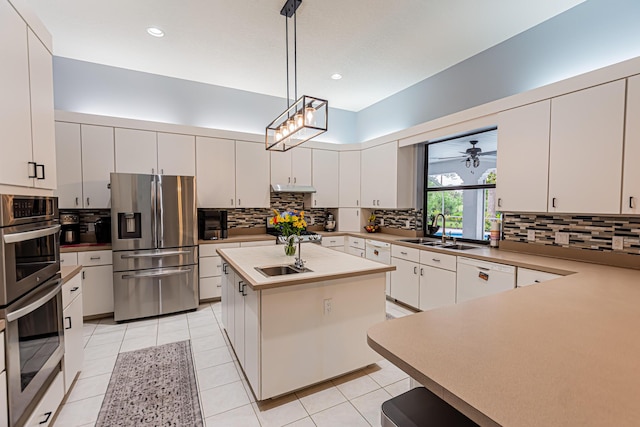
{"x":29,"y":235}
{"x":52,"y":290}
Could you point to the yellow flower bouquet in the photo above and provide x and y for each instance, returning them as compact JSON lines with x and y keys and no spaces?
{"x":289,"y":223}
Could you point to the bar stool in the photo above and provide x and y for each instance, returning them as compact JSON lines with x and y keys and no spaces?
{"x":421,"y":408}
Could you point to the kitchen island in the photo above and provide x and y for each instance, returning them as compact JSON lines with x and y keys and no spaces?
{"x":295,"y":330}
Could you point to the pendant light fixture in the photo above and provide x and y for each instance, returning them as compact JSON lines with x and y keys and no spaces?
{"x":307,"y":117}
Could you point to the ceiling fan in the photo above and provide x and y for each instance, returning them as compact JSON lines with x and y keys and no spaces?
{"x":472,"y":155}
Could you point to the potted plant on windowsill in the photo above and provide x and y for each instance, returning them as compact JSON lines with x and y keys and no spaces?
{"x":372,"y":227}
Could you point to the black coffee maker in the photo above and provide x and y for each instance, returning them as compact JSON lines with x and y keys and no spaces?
{"x":70,"y":227}
{"x":102,"y":228}
{"x":212,"y":224}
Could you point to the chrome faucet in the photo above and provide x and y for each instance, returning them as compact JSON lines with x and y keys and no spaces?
{"x":444,"y":227}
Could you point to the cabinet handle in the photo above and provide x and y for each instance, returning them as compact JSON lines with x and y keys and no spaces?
{"x":61,"y":261}
{"x":378,"y":204}
{"x":553,"y":202}
{"x":161,"y":171}
{"x":631,"y":202}
{"x":373,"y":202}
{"x":315,"y":202}
{"x":77,"y":201}
{"x":435,"y":259}
{"x":415,"y":270}
{"x":243,"y":286}
{"x":88,"y":202}
{"x":499,"y":202}
{"x":239,"y":202}
{"x":68,"y":318}
{"x":83,"y":276}
{"x":422,"y":271}
{"x":42,"y":169}
{"x":47,"y":415}
{"x":357,"y":203}
{"x":231,"y":202}
{"x":35,"y":175}
{"x":403,"y":253}
{"x":224,"y":268}
{"x":153,"y":171}
{"x":240,"y":286}
{"x":75,"y":288}
{"x":94,"y":257}
{"x":289,"y":180}
{"x":294,"y":179}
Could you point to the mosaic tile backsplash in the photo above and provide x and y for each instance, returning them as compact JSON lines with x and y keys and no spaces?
{"x":402,"y":219}
{"x":255,"y":217}
{"x":593,"y":233}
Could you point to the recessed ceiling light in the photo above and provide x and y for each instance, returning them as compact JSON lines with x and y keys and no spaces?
{"x":336,"y":76}
{"x":155,"y":32}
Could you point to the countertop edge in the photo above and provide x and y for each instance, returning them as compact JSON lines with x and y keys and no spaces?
{"x":68,"y":272}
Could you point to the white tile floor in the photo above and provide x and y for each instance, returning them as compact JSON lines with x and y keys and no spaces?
{"x":226,"y":400}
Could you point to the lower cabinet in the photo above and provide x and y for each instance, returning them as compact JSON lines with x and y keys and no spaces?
{"x":526,"y":277}
{"x":210,"y":270}
{"x":333,"y":242}
{"x":405,"y":281}
{"x":73,"y":336}
{"x":437,"y":288}
{"x":4,"y":409}
{"x":97,"y":290}
{"x":43,"y":413}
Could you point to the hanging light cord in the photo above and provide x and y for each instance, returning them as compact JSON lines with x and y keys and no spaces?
{"x":286,"y":26}
{"x":295,"y":57}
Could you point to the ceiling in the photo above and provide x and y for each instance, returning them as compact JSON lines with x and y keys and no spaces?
{"x":380,"y":47}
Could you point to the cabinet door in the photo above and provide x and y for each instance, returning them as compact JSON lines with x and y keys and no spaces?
{"x":379,"y":176}
{"x":97,"y":290}
{"x":42,"y":121}
{"x":252,"y":338}
{"x":73,"y":341}
{"x":585,"y":161}
{"x":349,"y":219}
{"x":228,"y":315}
{"x":325,"y":178}
{"x":252,"y":175}
{"x":281,"y":168}
{"x":42,"y":415}
{"x":523,"y":158}
{"x":15,"y":103}
{"x":437,"y":288}
{"x":97,"y":165}
{"x":238,"y":318}
{"x":405,"y":281}
{"x":69,"y":165}
{"x":349,"y":171}
{"x":4,"y":409}
{"x":216,"y":172}
{"x":301,"y":166}
{"x":368,"y":178}
{"x":136,"y":151}
{"x":631,"y":175}
{"x":176,"y":154}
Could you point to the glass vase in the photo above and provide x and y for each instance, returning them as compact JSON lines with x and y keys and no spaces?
{"x":290,"y":248}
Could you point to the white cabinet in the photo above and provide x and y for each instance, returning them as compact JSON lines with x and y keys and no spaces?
{"x":526,"y":277}
{"x":42,"y":415}
{"x":355,"y":246}
{"x":216,"y":172}
{"x":631,"y":172}
{"x":387,"y":177}
{"x":42,"y":127}
{"x":333,"y":242}
{"x":73,"y":337}
{"x":291,"y":167}
{"x":523,"y":158}
{"x":26,"y":108}
{"x":68,"y":258}
{"x":136,"y":151}
{"x":349,"y":219}
{"x":210,"y":270}
{"x":84,"y":157}
{"x":437,"y":280}
{"x":4,"y":409}
{"x":97,"y":282}
{"x":176,"y":154}
{"x":325,"y":178}
{"x":252,"y":175}
{"x":585,"y":161}
{"x":405,"y":281}
{"x":349,"y":193}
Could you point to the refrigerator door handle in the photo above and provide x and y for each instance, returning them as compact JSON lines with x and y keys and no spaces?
{"x":154,"y":217}
{"x":155,"y":274}
{"x":160,"y":213}
{"x":156,"y":254}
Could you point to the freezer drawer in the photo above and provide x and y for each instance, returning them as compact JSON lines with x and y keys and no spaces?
{"x":143,"y":259}
{"x":146,"y":293}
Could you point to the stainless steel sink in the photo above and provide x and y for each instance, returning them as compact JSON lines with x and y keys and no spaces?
{"x":281,"y":270}
{"x":419,"y":241}
{"x":456,"y":246}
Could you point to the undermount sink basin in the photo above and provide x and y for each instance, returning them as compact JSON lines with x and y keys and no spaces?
{"x":419,"y":241}
{"x":281,"y":270}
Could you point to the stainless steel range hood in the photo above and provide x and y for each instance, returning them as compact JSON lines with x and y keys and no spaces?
{"x":288,"y":188}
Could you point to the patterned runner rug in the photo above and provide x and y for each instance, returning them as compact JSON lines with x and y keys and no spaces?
{"x":154,"y":386}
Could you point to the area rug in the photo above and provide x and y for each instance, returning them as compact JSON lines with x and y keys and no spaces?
{"x":154,"y":386}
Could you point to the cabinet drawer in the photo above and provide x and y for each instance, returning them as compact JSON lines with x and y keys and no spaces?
{"x":526,"y":277}
{"x":92,"y":258}
{"x":333,"y":241}
{"x":69,"y":258}
{"x":209,"y":249}
{"x":439,"y":260}
{"x":355,"y":251}
{"x":71,"y":289}
{"x":269,"y":242}
{"x":356,"y":242}
{"x":210,"y":266}
{"x":403,"y":252}
{"x":42,"y":415}
{"x":210,"y":287}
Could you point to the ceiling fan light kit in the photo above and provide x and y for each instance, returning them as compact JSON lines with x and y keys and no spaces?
{"x":307,"y":117}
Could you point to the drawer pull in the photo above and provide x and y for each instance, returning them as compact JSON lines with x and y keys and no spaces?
{"x":68,"y":318}
{"x":415,"y":270}
{"x":95,"y":258}
{"x":404,"y":253}
{"x":75,"y":288}
{"x":435,"y":259}
{"x":422,"y":271}
{"x":46,"y":419}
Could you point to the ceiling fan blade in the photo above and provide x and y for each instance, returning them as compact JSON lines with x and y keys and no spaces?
{"x":448,"y":158}
{"x":488,"y":153}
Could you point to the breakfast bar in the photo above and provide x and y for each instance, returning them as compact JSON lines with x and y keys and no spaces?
{"x":293,"y":330}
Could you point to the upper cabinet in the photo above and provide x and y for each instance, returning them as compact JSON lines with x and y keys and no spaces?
{"x":523,"y":158}
{"x":349,"y":175}
{"x":291,"y":167}
{"x":147,"y":152}
{"x":216,"y":172}
{"x":84,"y":157}
{"x":585,"y":155}
{"x":26,"y":105}
{"x":631,"y":174}
{"x":387,"y":177}
{"x":325,"y":178}
{"x":252,"y":175}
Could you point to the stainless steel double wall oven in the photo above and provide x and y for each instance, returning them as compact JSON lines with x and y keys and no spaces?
{"x":30,"y":298}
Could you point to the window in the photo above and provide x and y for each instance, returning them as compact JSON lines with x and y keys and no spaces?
{"x":460,"y":182}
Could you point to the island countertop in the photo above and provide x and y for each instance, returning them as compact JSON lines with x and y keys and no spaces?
{"x":560,"y":353}
{"x":325,"y":264}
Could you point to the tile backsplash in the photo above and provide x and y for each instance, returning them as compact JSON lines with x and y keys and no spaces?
{"x":87,"y":218}
{"x":255,"y":217}
{"x":586,"y":232}
{"x":402,"y":219}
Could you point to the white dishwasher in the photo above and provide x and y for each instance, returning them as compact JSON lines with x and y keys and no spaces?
{"x":480,"y":278}
{"x":381,"y":252}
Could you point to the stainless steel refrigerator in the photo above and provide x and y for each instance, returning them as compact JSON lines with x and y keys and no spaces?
{"x":154,"y":241}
